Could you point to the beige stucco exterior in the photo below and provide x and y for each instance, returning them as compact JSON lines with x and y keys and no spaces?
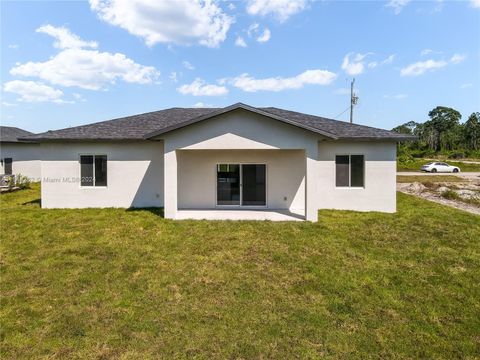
{"x":197,"y":176}
{"x":134,"y":175}
{"x":25,"y":156}
{"x":379,"y":192}
{"x":176,"y":170}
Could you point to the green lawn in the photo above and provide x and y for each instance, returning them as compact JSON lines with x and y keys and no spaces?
{"x":128,"y":284}
{"x":416,"y":164}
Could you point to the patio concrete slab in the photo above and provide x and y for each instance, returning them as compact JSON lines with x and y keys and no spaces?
{"x":243,"y":214}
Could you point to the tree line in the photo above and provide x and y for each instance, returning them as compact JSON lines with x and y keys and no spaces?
{"x":442,"y":134}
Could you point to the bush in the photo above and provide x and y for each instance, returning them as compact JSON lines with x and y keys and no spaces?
{"x":405,"y":159}
{"x":457,"y":154}
{"x":473,"y":154}
{"x":22,"y":181}
{"x":450,"y":195}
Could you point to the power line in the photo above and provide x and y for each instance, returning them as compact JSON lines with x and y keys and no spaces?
{"x":343,"y":112}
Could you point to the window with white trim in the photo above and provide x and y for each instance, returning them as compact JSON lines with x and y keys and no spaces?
{"x":93,"y":170}
{"x":349,"y":171}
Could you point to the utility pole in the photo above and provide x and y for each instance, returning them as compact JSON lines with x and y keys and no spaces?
{"x":353,"y":100}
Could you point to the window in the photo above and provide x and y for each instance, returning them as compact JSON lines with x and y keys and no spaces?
{"x":93,"y":170}
{"x":7,"y":166}
{"x":349,"y":171}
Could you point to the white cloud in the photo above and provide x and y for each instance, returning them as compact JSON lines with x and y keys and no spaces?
{"x":438,"y":6}
{"x":265,"y":36}
{"x":5,"y":103}
{"x":87,"y":69}
{"x":188,"y":66}
{"x":177,"y":22}
{"x":173,"y":76}
{"x":78,"y":97}
{"x":354,"y":65}
{"x":315,"y":77}
{"x":374,"y":64}
{"x":397,"y":5}
{"x":425,"y":52}
{"x":231,"y":6}
{"x":200,"y":88}
{"x":280,"y":9}
{"x":31,"y":91}
{"x":396,"y":97}
{"x":389,"y":59}
{"x":466,"y":86}
{"x":13,"y":46}
{"x":240,"y":41}
{"x":458,"y":58}
{"x":421,"y":67}
{"x":202,"y":105}
{"x":65,"y":39}
{"x":253,"y":31}
{"x":475,"y":3}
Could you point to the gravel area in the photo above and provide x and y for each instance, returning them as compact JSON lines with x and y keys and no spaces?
{"x":466,"y":191}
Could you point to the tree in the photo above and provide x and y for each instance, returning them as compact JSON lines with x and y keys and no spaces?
{"x":442,"y":131}
{"x":471,"y":131}
{"x":406,"y":128}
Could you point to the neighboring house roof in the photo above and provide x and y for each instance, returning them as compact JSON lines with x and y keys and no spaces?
{"x":149,"y":125}
{"x":12,"y":134}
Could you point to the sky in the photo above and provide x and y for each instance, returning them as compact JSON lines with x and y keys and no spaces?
{"x":69,"y":63}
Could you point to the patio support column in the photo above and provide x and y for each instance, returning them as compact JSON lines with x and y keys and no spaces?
{"x":170,"y":183}
{"x":311,"y":183}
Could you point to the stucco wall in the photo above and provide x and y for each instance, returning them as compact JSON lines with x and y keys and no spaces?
{"x":298,"y":162}
{"x":134,"y":171}
{"x":379,"y":193}
{"x":26,"y":159}
{"x":240,"y":130}
{"x":197,"y":176}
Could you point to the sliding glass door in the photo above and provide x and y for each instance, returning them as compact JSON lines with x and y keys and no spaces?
{"x":241,"y":184}
{"x":228,"y":184}
{"x":253,"y":185}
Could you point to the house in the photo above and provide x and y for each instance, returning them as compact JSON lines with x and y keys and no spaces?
{"x":18,"y":156}
{"x":220,"y":162}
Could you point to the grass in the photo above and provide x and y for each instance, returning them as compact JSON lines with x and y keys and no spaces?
{"x":416,"y":164}
{"x":428,"y":179}
{"x":111,"y":283}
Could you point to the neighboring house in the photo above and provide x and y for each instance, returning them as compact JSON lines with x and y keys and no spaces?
{"x":238,"y":157}
{"x":19,"y":156}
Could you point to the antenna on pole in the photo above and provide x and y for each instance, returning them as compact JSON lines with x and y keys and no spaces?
{"x":353,"y":100}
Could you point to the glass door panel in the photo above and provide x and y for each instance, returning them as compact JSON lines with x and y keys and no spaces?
{"x":228,"y":184}
{"x":254,"y":185}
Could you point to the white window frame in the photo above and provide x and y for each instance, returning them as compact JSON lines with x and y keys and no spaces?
{"x":349,"y":172}
{"x":94,"y":186}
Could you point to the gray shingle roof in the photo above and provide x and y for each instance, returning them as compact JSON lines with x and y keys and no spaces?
{"x":12,"y":134}
{"x":148,"y":125}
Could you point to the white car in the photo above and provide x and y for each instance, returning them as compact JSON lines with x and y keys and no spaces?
{"x":440,"y":167}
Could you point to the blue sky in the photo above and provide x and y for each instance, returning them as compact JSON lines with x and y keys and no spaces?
{"x":67,"y":63}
